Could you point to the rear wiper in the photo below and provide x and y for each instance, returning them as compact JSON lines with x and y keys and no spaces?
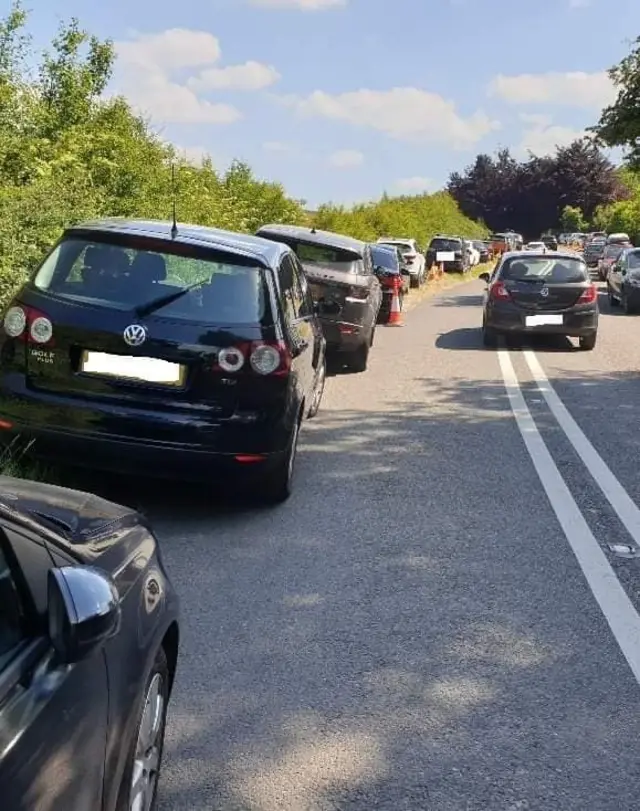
{"x":168,"y":298}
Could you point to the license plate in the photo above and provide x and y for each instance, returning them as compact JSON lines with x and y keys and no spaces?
{"x":127,"y":367}
{"x":542,"y":320}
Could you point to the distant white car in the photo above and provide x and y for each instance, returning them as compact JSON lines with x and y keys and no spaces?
{"x":474,"y":253}
{"x":536,"y":246}
{"x":414,"y":260}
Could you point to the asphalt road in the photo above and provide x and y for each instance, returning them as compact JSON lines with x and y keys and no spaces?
{"x":427,"y":624}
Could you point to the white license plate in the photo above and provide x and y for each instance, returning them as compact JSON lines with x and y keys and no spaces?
{"x":542,"y":320}
{"x":126,"y":367}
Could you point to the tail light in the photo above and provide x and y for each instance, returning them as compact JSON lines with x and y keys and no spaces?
{"x":589,"y":296}
{"x":498,"y":292}
{"x":28,"y":325}
{"x":262,"y":357}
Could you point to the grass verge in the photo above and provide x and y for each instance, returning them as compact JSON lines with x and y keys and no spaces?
{"x":449,"y":280}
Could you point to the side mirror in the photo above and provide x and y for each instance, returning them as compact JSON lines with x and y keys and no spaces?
{"x":486,"y":277}
{"x":83,"y":611}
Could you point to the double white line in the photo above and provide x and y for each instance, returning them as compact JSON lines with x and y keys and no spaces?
{"x":616,"y":606}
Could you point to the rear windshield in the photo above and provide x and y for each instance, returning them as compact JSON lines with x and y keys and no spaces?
{"x":385,"y":258}
{"x":613,"y":251}
{"x":219,"y":288}
{"x":313,"y":253}
{"x":405,"y":247}
{"x":440,"y":244}
{"x":540,"y":268}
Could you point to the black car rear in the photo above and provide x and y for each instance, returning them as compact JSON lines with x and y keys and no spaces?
{"x":539,"y":293}
{"x":344,"y":287}
{"x":594,"y":251}
{"x":550,"y":241}
{"x":458,"y":259}
{"x":129,"y":349}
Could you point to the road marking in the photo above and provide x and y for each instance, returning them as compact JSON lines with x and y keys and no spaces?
{"x":601,"y":579}
{"x":614,"y":492}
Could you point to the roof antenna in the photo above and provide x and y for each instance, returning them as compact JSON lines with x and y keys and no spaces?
{"x":174,"y":222}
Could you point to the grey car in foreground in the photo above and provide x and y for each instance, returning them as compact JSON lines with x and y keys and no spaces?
{"x":540,"y":293}
{"x":88,"y":650}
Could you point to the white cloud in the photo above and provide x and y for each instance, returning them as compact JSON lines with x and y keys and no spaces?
{"x":301,"y":5}
{"x":404,"y":113}
{"x":250,"y":76}
{"x":543,"y":137}
{"x":576,"y":89}
{"x":346,"y":159}
{"x":414,"y":184}
{"x":146,"y":68}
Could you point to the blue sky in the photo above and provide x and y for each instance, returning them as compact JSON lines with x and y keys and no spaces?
{"x":349,"y":98}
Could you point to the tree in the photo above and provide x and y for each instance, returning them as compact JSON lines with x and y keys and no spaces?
{"x":530,"y":196}
{"x":572,"y":219}
{"x":619,"y":123}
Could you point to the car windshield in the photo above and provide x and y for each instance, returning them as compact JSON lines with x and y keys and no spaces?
{"x":130,"y":273}
{"x":540,"y":268}
{"x":613,"y":251}
{"x":384,"y":258}
{"x":446,"y":245}
{"x":479,"y":245}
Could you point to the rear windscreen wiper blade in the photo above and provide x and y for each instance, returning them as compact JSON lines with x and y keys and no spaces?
{"x":162,"y":301}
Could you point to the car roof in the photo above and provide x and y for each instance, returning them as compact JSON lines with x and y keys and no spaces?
{"x":265,"y":251}
{"x":546,"y":256}
{"x":394,"y":240}
{"x":315,"y":236}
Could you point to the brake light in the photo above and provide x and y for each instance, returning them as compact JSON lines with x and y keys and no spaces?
{"x":28,"y":325}
{"x":262,"y":357}
{"x":498,"y":292}
{"x":589,"y":295}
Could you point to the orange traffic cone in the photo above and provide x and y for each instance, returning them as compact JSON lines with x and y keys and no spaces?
{"x":395,"y":318}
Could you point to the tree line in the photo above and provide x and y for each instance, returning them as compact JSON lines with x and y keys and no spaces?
{"x":575,"y":189}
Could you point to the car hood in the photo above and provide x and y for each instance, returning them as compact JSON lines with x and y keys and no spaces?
{"x":81,"y":521}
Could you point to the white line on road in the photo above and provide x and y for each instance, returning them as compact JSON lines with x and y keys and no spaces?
{"x":614,"y":492}
{"x":605,"y":586}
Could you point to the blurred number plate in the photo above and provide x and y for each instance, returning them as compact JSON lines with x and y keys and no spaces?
{"x":126,"y":367}
{"x":542,"y":320}
{"x":445,"y":256}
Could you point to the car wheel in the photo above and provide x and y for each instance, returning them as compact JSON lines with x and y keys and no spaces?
{"x":489,"y":337}
{"x":359,"y":359}
{"x":628,"y":309}
{"x":277,"y":488}
{"x":373,"y":331}
{"x":588,"y":342}
{"x":415,"y":282}
{"x":140,"y":781}
{"x":318,"y":390}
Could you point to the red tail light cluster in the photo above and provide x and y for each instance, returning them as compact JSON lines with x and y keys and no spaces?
{"x":589,"y":295}
{"x":498,"y":292}
{"x":28,"y":325}
{"x":261,"y":357}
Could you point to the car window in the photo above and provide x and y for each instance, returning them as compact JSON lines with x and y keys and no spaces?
{"x":613,"y":251}
{"x":385,"y":258}
{"x":122,"y":276}
{"x":540,"y":268}
{"x":442,"y":244}
{"x":405,"y":247}
{"x":291,"y":293}
{"x":301,"y":286}
{"x":12,"y":617}
{"x":633,"y":260}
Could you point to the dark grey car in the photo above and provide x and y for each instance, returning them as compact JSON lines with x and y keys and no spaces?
{"x":343,"y":285}
{"x":540,"y":293}
{"x":88,"y":651}
{"x":623,"y":281}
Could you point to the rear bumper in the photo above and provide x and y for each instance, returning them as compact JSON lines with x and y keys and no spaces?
{"x":576,"y":323}
{"x":342,"y":336}
{"x":65,"y":430}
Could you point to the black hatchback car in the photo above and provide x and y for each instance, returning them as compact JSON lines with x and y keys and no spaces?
{"x":343,"y":285}
{"x":458,"y":256}
{"x":89,"y":637}
{"x":544,"y":293}
{"x":184,"y":355}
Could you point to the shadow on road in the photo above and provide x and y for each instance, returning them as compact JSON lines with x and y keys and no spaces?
{"x":459,"y":301}
{"x":466,"y":339}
